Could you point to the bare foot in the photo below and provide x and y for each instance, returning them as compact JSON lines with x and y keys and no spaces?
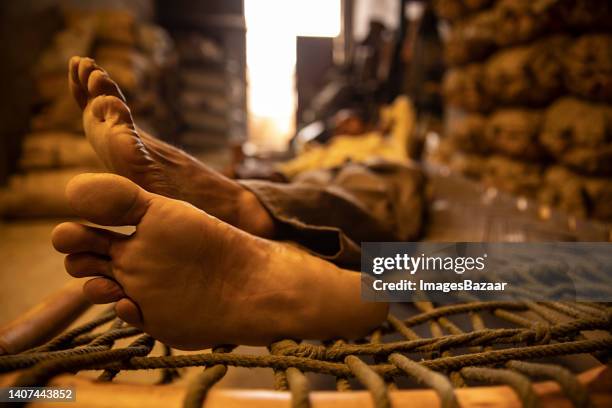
{"x":193,"y":281}
{"x":154,"y":165}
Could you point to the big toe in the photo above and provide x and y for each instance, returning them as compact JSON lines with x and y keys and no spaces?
{"x":107,"y":199}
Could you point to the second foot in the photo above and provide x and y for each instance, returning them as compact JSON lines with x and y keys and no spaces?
{"x":151,"y":163}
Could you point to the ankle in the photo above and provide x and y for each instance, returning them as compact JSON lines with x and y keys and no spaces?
{"x":345,"y":314}
{"x":252,"y":215}
{"x":321,"y":300}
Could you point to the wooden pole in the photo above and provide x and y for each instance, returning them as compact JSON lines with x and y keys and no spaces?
{"x":92,"y":394}
{"x":44,"y":320}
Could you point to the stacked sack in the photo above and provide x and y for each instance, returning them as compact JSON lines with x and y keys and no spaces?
{"x":204,"y":95}
{"x":528,"y":92}
{"x":136,"y":55}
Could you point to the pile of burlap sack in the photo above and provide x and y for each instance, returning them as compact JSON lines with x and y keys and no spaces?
{"x":203,"y":98}
{"x":138,"y":57}
{"x":528,"y":91}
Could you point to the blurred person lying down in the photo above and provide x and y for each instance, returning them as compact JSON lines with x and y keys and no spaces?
{"x":390,"y":142}
{"x":209,"y":261}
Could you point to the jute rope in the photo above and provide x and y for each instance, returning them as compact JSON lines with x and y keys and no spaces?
{"x":439,"y":362}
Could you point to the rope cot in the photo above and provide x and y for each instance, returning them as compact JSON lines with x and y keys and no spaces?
{"x":452,"y":356}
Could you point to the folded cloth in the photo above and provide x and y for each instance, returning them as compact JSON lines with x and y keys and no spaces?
{"x":579,"y":135}
{"x":318,"y":208}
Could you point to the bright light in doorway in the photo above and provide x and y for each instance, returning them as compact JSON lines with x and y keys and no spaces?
{"x":272,"y":27}
{"x":316,"y":18}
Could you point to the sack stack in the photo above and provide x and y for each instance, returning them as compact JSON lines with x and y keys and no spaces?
{"x":528,"y":94}
{"x":207,"y":91}
{"x":136,"y":55}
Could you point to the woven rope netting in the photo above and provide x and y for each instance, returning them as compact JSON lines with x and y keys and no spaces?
{"x":458,"y":348}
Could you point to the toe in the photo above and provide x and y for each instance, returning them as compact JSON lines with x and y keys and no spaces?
{"x":86,"y":264}
{"x":102,"y":290}
{"x":100,"y":83}
{"x":84,"y":70}
{"x":79,"y":70}
{"x":129,"y":312}
{"x":72,"y":237}
{"x":108,"y":199}
{"x":79,"y":93}
{"x":87,"y":80}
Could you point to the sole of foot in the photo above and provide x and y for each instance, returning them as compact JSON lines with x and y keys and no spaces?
{"x":151,"y":163}
{"x":193,"y":281}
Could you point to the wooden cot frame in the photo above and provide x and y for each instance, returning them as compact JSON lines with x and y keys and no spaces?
{"x":58,"y":311}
